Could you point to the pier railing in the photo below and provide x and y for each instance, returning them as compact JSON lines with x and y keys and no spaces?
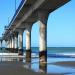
{"x":16,"y":12}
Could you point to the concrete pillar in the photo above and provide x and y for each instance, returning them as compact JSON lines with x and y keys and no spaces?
{"x":1,"y":44}
{"x":16,"y":42}
{"x":43,"y":16}
{"x":10,"y":43}
{"x":12,"y":49}
{"x":28,"y":44}
{"x":6,"y":42}
{"x":43,"y":42}
{"x":20,"y":51}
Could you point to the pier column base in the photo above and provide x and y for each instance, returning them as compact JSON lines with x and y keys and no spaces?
{"x":20,"y":51}
{"x":28,"y":56}
{"x":43,"y":67}
{"x":43,"y":56}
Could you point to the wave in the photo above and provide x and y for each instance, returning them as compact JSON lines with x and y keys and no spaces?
{"x":62,"y":55}
{"x":55,"y":55}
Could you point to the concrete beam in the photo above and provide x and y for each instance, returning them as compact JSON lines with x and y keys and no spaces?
{"x":30,"y":7}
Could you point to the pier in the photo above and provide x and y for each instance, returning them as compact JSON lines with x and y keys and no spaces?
{"x":28,"y":13}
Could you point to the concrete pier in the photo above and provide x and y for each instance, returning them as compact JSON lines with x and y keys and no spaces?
{"x":12,"y":48}
{"x":28,"y":43}
{"x":8,"y":46}
{"x":31,"y":11}
{"x":1,"y":43}
{"x":20,"y":50}
{"x":16,"y":41}
{"x":43,"y":17}
{"x":10,"y":43}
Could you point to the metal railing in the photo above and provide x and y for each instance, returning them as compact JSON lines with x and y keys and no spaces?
{"x":16,"y":12}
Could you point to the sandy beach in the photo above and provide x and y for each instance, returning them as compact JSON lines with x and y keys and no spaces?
{"x":66,"y":64}
{"x":55,"y":66}
{"x":16,"y":68}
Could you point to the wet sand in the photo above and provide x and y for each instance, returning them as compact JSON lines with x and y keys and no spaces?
{"x":66,"y":63}
{"x":16,"y":68}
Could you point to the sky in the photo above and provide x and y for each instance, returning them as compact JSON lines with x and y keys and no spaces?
{"x":60,"y":24}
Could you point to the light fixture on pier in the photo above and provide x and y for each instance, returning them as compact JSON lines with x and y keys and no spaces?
{"x":6,"y":27}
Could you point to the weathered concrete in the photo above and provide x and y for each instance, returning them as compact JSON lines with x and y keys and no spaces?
{"x":28,"y":44}
{"x":42,"y":17}
{"x":10,"y":43}
{"x":1,"y":43}
{"x":16,"y":41}
{"x":20,"y":50}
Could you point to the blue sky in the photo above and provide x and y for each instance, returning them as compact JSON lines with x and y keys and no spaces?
{"x":60,"y":26}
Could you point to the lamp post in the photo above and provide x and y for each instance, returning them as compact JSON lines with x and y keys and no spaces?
{"x":15,"y":5}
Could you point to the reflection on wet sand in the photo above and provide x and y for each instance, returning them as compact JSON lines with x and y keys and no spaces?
{"x":43,"y":67}
{"x":52,"y":68}
{"x":66,"y":64}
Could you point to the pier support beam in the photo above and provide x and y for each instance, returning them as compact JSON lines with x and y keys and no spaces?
{"x":1,"y":44}
{"x":12,"y":49}
{"x":28,"y":44}
{"x":6,"y":44}
{"x":10,"y":43}
{"x":20,"y":51}
{"x":16,"y":41}
{"x":43,"y":17}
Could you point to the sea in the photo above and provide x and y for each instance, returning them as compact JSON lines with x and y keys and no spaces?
{"x":55,"y":51}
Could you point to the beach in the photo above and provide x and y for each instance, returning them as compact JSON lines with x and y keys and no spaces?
{"x":66,"y":64}
{"x":13,"y":67}
{"x":16,"y":68}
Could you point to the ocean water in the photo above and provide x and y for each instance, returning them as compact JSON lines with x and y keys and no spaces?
{"x":51,"y":52}
{"x":56,"y":51}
